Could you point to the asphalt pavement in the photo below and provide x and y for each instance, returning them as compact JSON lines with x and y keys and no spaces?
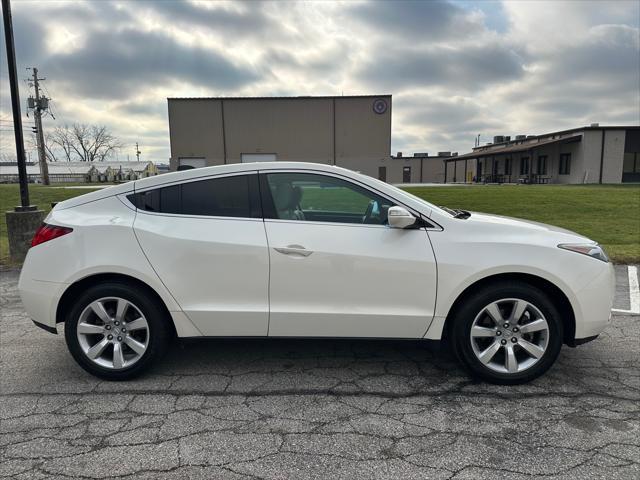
{"x":289,"y":409}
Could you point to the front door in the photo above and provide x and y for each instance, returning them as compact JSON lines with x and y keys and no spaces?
{"x":406,"y":174}
{"x":337,"y":269}
{"x":206,"y":241}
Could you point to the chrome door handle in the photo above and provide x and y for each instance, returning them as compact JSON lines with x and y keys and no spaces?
{"x":293,"y":250}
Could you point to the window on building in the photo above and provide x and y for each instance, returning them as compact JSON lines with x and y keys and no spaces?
{"x":631,"y":163}
{"x":565,"y":164}
{"x":542,"y":165}
{"x":218,"y":197}
{"x":524,"y":166}
{"x":322,"y":198}
{"x":507,"y":166}
{"x":631,"y":167}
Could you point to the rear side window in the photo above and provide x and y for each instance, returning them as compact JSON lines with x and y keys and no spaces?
{"x":235,"y":196}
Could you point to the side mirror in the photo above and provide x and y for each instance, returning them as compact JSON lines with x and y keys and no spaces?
{"x":399,"y":217}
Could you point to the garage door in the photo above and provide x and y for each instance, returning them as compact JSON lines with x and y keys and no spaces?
{"x":258,"y":157}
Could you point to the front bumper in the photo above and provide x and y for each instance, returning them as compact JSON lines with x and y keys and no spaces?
{"x":595,"y":301}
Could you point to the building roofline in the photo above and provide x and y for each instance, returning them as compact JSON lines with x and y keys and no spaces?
{"x":299,"y":97}
{"x":561,"y":132}
{"x":517,"y":147}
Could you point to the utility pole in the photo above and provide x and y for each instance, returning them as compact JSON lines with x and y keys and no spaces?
{"x":137,"y":152}
{"x":40,"y":105}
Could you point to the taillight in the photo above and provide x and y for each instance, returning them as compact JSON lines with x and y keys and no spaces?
{"x":48,"y":232}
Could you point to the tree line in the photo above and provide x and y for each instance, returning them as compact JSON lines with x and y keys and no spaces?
{"x":81,"y":143}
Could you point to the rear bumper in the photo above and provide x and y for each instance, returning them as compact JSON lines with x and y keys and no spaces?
{"x":40,"y":299}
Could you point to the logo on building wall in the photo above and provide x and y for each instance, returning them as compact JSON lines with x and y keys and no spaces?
{"x":379,"y":106}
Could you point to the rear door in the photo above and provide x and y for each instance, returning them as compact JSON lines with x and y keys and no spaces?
{"x":207,"y":243}
{"x":337,"y":269}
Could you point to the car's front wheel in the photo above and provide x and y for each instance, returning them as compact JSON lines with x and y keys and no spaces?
{"x":507,"y":333}
{"x":116,"y":330}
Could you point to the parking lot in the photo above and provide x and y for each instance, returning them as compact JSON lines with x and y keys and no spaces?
{"x":316,"y":409}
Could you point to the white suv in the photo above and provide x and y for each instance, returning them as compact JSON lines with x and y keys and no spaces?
{"x":306,"y":250}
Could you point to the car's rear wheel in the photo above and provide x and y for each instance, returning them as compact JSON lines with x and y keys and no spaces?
{"x":116,"y":330}
{"x":507,"y":333}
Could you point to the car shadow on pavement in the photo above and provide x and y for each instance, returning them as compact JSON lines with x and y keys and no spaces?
{"x":309,"y":366}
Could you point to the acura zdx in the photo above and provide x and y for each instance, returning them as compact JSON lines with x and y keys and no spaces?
{"x":305,"y":250}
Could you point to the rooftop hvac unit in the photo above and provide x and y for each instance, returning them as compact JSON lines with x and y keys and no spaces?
{"x":531,"y":136}
{"x":399,"y":154}
{"x":454,"y":154}
{"x":595,"y":124}
{"x":498,"y":139}
{"x":421,"y":154}
{"x":521,"y":137}
{"x":444,"y":154}
{"x":507,"y":138}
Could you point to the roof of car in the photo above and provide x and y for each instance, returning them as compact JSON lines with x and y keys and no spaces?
{"x":237,"y":167}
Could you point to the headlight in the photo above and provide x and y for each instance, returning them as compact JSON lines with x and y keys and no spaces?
{"x":592,"y":249}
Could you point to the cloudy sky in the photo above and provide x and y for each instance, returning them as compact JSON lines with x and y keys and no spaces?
{"x":455,"y":68}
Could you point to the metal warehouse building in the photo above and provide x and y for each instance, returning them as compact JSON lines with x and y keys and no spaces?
{"x":594,"y":154}
{"x":350,"y":131}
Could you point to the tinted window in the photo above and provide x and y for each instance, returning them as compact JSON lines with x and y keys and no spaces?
{"x":221,"y":197}
{"x":166,"y":200}
{"x":311,"y":197}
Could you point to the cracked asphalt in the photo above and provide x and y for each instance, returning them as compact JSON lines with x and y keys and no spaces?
{"x":291,"y":409}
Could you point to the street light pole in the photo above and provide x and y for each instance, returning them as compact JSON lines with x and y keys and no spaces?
{"x":15,"y":106}
{"x":23,"y":221}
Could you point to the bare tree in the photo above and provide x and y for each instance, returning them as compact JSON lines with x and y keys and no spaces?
{"x":86,"y":143}
{"x":61,"y":140}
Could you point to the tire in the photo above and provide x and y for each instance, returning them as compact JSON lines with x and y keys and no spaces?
{"x":116,"y":313}
{"x":519,"y":349}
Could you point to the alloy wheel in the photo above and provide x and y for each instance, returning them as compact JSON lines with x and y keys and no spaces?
{"x":113,"y":333}
{"x":509,"y":335}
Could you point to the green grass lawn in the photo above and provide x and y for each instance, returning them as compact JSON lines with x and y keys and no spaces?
{"x":609,"y":214}
{"x":38,"y":195}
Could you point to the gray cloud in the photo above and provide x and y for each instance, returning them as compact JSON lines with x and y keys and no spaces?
{"x":419,"y":20}
{"x":142,"y":108}
{"x":611,"y":57}
{"x":250,"y":19}
{"x":470,"y":67}
{"x":594,"y":81}
{"x":451,"y":76}
{"x":119,"y":63}
{"x":28,"y":37}
{"x":447,"y":122}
